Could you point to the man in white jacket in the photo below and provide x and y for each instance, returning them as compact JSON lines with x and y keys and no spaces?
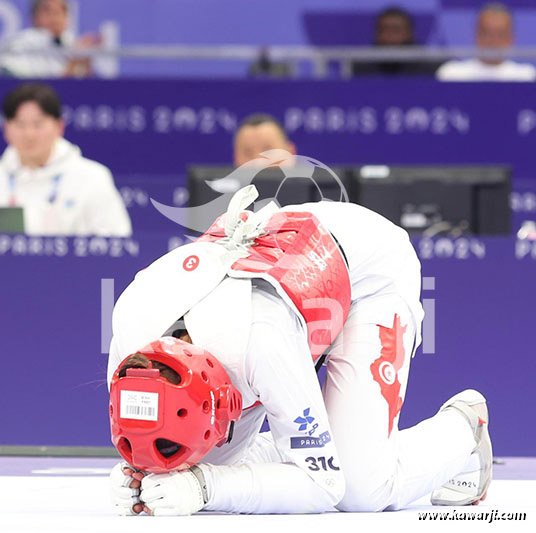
{"x":60,"y":191}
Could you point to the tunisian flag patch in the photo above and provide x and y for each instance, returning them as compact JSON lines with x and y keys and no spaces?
{"x":385,"y":368}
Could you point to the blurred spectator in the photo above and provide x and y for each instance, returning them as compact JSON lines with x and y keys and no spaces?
{"x":264,"y":67}
{"x":394,"y":27}
{"x":61,"y":192}
{"x":494,"y":30}
{"x":257,"y":133}
{"x":50,"y":33}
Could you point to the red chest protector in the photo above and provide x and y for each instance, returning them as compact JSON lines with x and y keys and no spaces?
{"x":298,"y":255}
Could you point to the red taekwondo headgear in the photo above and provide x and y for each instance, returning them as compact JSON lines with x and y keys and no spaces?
{"x":158,"y":426}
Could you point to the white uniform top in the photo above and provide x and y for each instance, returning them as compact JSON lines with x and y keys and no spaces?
{"x":69,"y":195}
{"x":476,"y":70}
{"x":380,"y":256}
{"x":301,"y":473}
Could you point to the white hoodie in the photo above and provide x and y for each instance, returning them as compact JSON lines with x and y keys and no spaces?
{"x":69,"y":195}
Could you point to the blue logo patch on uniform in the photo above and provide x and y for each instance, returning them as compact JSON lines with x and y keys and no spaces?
{"x":310,"y":442}
{"x":304,"y":420}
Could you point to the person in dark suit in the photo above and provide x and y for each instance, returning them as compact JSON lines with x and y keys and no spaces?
{"x":394,"y":28}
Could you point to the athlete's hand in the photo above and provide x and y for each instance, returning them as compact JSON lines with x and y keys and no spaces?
{"x":125,"y":484}
{"x":176,"y":493}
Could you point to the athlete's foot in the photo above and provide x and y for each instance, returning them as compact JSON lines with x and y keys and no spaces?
{"x":470,"y":486}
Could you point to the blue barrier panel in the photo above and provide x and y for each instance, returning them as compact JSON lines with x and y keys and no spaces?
{"x":53,"y":388}
{"x":159,"y":127}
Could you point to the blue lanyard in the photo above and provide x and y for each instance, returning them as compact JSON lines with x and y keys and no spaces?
{"x":55,"y":185}
{"x":11,"y":185}
{"x":51,"y":198}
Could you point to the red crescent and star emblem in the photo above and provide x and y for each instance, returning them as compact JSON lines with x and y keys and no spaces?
{"x":385,"y":368}
{"x":190,"y":263}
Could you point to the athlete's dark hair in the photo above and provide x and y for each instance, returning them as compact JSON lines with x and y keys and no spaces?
{"x":43,"y":95}
{"x":256,"y":119}
{"x":139,"y":360}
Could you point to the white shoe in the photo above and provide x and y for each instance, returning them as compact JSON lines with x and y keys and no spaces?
{"x":470,"y":486}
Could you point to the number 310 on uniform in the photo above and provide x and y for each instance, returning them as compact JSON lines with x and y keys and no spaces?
{"x":320,"y":463}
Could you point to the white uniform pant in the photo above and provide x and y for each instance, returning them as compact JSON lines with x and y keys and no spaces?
{"x":367,"y":374}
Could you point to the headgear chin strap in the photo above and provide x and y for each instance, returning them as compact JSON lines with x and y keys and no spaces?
{"x":158,"y":426}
